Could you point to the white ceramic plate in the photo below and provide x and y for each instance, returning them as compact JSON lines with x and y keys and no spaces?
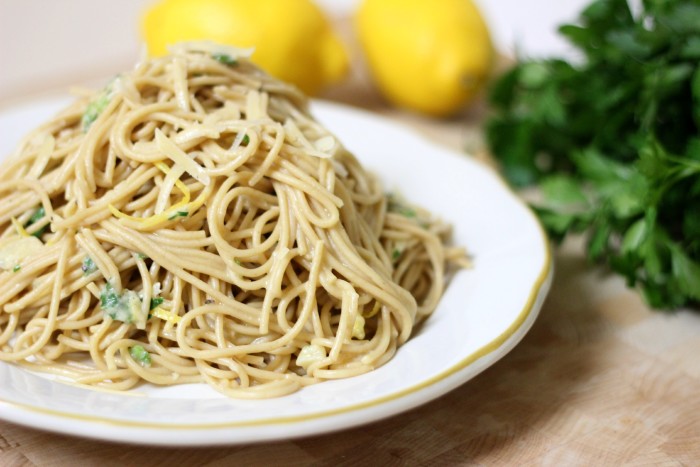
{"x":483,"y":314}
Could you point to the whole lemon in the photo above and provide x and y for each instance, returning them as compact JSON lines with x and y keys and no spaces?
{"x":293,"y":39}
{"x":430,"y":56}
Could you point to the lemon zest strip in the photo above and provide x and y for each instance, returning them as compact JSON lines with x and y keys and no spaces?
{"x":168,"y":213}
{"x":20,"y":229}
{"x":159,"y":312}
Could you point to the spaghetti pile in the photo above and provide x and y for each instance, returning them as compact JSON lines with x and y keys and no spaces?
{"x":192,"y":223}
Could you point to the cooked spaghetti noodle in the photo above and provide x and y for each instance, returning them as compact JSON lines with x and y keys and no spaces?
{"x":192,"y":223}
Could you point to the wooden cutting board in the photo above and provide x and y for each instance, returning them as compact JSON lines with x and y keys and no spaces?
{"x":599,"y":380}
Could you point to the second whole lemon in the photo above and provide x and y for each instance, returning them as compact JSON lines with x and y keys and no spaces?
{"x":429,"y":56}
{"x":293,"y":39}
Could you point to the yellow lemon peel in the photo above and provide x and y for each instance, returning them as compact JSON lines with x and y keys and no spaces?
{"x":432,"y":57}
{"x":293,"y":39}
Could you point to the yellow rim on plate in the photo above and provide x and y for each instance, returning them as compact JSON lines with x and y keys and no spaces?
{"x":526,"y":316}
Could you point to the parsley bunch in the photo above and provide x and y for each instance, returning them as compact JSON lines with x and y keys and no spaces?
{"x":613,"y":141}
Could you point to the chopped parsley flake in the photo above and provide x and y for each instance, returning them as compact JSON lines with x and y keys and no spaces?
{"x":125,"y":307}
{"x":156,"y":302}
{"x":141,"y":355}
{"x":396,"y":254}
{"x":36,"y":217}
{"x":109,"y":298}
{"x":88,"y":266}
{"x":245,"y":140}
{"x":225,"y":59}
{"x":400,"y":208}
{"x":16,"y":268}
{"x":95,"y":108}
{"x":404,"y":211}
{"x":178,"y":214}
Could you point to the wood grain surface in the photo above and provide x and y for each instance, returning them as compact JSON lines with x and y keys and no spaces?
{"x":599,"y":380}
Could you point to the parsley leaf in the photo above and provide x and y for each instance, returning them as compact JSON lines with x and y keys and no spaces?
{"x":613,"y":141}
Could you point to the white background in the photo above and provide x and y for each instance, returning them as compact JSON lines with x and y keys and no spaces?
{"x":46,"y":45}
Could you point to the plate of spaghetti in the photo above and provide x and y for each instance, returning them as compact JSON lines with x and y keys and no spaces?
{"x":196,"y":254}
